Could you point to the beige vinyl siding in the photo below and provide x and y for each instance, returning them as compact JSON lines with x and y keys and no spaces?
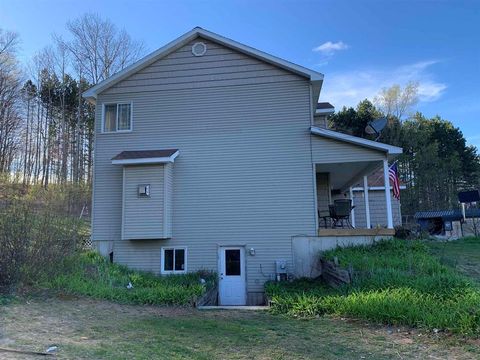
{"x":323,"y":191}
{"x":326,"y":150}
{"x":320,"y":121}
{"x":218,"y":67}
{"x":244,"y":173}
{"x":143,"y":217}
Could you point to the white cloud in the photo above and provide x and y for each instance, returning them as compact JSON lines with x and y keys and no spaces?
{"x":329,"y":48}
{"x":348,"y":88}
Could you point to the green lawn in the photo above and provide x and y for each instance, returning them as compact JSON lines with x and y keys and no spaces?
{"x":395,"y":282}
{"x":97,"y":329}
{"x":464,"y":255}
{"x":85,"y":328}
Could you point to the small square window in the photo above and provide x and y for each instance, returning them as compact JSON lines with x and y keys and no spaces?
{"x":117,"y":117}
{"x":174,"y":260}
{"x":144,"y":190}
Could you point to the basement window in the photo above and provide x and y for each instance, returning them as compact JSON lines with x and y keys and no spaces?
{"x":174,"y":261}
{"x":117,"y":117}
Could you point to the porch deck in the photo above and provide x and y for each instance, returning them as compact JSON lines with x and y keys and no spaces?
{"x":356,"y":232}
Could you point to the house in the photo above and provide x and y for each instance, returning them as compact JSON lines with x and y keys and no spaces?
{"x":206,"y":157}
{"x":449,"y":224}
{"x":322,"y":112}
{"x":376,"y":199}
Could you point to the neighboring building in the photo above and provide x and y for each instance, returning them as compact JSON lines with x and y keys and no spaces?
{"x":322,"y":113}
{"x":376,"y":198}
{"x":449,"y":223}
{"x":206,"y":157}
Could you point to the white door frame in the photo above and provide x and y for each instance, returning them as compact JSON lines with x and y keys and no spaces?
{"x":241,"y":280}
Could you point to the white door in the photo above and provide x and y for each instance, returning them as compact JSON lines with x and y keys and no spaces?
{"x":232,"y":287}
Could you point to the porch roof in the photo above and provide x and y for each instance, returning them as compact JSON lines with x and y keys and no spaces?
{"x":145,"y":157}
{"x":335,"y":135}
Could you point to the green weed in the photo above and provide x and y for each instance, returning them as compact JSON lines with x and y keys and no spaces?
{"x":395,"y":282}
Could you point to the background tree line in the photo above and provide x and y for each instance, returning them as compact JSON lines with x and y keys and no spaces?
{"x":46,"y":127}
{"x":436,"y":162}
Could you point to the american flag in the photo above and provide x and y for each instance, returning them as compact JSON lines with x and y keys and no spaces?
{"x":393,"y":176}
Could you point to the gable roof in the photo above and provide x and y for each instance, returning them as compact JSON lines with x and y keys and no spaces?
{"x":315,"y":78}
{"x":335,"y":135}
{"x":324,"y":108}
{"x":325,"y":105}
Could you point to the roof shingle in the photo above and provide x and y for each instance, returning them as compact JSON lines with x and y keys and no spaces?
{"x":144,"y":154}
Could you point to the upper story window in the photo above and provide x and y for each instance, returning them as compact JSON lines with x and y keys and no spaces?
{"x":117,"y":117}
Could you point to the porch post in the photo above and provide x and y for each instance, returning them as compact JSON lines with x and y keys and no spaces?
{"x":388,"y":198}
{"x":367,"y":203}
{"x":353,"y":210}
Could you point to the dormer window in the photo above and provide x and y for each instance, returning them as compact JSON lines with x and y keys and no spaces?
{"x":117,"y":117}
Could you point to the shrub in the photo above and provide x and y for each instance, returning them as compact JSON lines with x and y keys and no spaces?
{"x":395,"y":282}
{"x":92,"y":275}
{"x":33,"y":242}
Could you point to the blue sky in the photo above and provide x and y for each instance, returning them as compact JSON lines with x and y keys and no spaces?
{"x":360,"y":46}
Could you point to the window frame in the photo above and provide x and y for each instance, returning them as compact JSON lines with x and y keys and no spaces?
{"x":116,"y":117}
{"x":162,"y":260}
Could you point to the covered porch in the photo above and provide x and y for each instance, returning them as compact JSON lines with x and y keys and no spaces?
{"x":342,"y":164}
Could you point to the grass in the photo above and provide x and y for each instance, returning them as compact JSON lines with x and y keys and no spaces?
{"x":96,"y":329}
{"x":92,"y":275}
{"x":463,"y":254}
{"x":396,"y":282}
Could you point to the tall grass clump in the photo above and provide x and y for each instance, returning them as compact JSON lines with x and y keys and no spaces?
{"x":92,"y":275}
{"x":395,"y":282}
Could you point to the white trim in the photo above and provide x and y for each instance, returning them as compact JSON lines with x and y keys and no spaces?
{"x":162,"y":260}
{"x":389,"y":149}
{"x":165,"y":203}
{"x":123,"y":204}
{"x":371,"y":188}
{"x":388,"y":196}
{"x":314,"y":167}
{"x":156,"y":160}
{"x":324,"y":111}
{"x":92,"y":93}
{"x":116,"y":131}
{"x":366,"y":190}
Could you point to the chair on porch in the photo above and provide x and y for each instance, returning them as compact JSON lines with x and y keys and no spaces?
{"x":340,"y":212}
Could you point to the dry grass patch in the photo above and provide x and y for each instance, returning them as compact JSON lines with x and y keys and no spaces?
{"x":93,"y":329}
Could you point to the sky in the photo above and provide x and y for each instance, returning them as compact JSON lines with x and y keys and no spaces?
{"x":360,"y":46}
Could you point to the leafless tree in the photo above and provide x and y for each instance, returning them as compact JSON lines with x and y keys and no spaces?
{"x":100,"y":48}
{"x":397,"y":101}
{"x":10,"y":81}
{"x":46,"y":127}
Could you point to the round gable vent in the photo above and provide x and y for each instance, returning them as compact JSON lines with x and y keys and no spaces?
{"x":199,"y":49}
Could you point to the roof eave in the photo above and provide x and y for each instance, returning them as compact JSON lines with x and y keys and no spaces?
{"x":152,"y":160}
{"x":388,"y":149}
